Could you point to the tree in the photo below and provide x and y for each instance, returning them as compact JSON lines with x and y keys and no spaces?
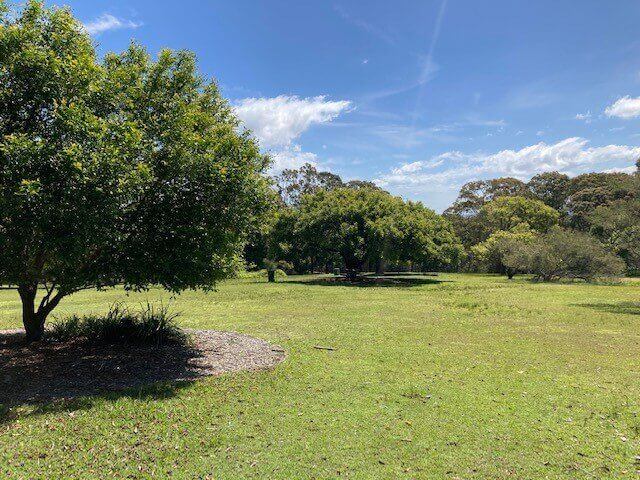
{"x":474,"y":195}
{"x":369,"y":227}
{"x":465,"y":213}
{"x":552,"y":188}
{"x":564,"y":253}
{"x":421,"y":237}
{"x":489,"y":255}
{"x":293,"y":184}
{"x":592,"y":190}
{"x":505,"y":213}
{"x":125,"y":171}
{"x":618,"y":226}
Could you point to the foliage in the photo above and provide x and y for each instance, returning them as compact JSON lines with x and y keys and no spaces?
{"x":618,"y":226}
{"x":293,"y":184}
{"x":370,"y":227}
{"x":474,"y":195}
{"x":261,"y":274}
{"x":150,"y":326}
{"x":489,"y":255}
{"x":121,"y":171}
{"x":564,"y":253}
{"x":552,"y":188}
{"x":505,"y":213}
{"x":464,"y":214}
{"x":589,"y":191}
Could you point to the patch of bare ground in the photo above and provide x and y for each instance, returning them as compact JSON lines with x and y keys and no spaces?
{"x":47,"y":371}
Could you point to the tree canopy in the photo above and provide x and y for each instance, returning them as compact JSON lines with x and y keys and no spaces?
{"x":505,"y":213}
{"x":122,"y":171}
{"x":363,"y":227}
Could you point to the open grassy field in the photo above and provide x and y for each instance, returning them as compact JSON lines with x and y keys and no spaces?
{"x":463,"y":376}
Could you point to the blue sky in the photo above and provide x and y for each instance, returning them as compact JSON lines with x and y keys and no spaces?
{"x":420,"y":96}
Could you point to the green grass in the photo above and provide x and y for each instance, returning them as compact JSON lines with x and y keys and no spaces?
{"x":473,"y":377}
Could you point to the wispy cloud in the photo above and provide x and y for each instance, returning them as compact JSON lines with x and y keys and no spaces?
{"x":625,"y":107}
{"x":429,"y":67}
{"x":366,"y":26}
{"x":534,"y":95}
{"x":106,"y":22}
{"x":410,"y":136}
{"x":584,"y":117}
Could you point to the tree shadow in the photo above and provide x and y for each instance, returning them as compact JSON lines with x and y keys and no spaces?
{"x":368,"y":281}
{"x":624,"y":308}
{"x":51,"y":376}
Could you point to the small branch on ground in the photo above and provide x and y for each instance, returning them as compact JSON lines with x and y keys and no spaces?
{"x":319,"y":347}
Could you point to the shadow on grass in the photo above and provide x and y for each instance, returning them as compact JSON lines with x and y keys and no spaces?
{"x":50,"y":377}
{"x":625,"y":308}
{"x":366,"y":281}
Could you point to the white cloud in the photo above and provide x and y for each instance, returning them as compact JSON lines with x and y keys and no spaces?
{"x":106,"y":22}
{"x":277,"y":121}
{"x":584,"y":117}
{"x":625,"y":107}
{"x":571,"y":156}
{"x":292,"y":157}
{"x":630,"y":169}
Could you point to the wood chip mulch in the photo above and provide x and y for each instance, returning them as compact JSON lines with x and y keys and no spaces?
{"x":48,"y":371}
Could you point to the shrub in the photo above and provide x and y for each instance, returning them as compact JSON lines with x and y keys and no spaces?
{"x":564,"y":253}
{"x":150,"y":326}
{"x":489,"y":255}
{"x":261,"y":274}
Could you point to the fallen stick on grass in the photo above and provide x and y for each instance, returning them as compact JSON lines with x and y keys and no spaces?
{"x":319,"y":347}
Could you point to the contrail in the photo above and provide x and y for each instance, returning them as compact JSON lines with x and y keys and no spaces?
{"x":426,"y":71}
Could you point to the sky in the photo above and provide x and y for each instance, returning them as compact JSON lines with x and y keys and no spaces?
{"x":418,"y":96}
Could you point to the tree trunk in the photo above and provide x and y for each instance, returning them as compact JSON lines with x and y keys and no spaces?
{"x":380,"y":265}
{"x":271,"y":275}
{"x":32,"y":320}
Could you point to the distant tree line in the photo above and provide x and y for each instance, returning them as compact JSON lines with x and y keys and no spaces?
{"x":552,"y":226}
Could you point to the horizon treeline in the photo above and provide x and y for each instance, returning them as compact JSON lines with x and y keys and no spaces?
{"x":321,"y":223}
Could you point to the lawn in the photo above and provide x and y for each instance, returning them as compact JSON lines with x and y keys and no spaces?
{"x":460,"y":376}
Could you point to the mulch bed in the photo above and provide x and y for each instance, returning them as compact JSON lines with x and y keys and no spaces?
{"x":48,"y":371}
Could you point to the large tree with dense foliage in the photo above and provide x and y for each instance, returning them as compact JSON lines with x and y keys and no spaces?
{"x":474,"y":195}
{"x":122,"y":171}
{"x":292,"y":184}
{"x":369,"y":227}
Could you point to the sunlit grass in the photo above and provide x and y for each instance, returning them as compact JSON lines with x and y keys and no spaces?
{"x":467,"y":377}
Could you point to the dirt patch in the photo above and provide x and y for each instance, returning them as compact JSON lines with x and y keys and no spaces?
{"x":48,"y":371}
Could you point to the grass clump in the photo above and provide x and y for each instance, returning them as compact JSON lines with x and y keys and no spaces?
{"x":152,"y":325}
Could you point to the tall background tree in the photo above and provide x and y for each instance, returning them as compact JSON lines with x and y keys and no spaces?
{"x":123,"y":171}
